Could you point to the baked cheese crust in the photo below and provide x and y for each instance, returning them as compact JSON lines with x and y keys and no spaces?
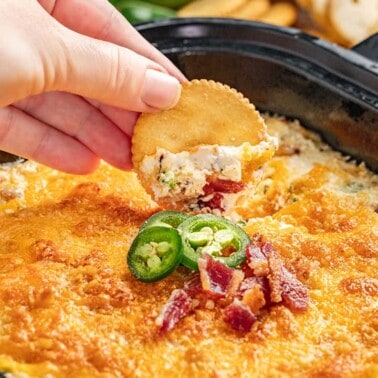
{"x":69,"y":307}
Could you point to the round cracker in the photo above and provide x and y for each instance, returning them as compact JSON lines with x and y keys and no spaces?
{"x":281,"y":13}
{"x":210,"y":8}
{"x":320,"y":10}
{"x":207,"y":113}
{"x":354,"y":20}
{"x":252,"y":10}
{"x":304,"y":3}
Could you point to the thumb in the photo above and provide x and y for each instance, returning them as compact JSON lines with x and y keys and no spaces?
{"x":114,"y":75}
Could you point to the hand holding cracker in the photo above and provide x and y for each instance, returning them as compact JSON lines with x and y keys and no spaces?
{"x":203,"y":151}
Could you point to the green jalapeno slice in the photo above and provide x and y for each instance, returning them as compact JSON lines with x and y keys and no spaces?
{"x":155,"y":253}
{"x":170,"y":219}
{"x":215,"y":236}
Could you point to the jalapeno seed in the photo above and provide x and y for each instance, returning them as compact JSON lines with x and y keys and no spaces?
{"x":199,"y":238}
{"x":212,"y":249}
{"x":224,"y":237}
{"x":154,"y":262}
{"x":162,"y":248}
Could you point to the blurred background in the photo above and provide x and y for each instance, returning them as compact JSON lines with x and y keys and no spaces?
{"x":345,"y":22}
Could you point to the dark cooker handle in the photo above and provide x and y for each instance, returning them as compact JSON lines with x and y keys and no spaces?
{"x":368,"y":48}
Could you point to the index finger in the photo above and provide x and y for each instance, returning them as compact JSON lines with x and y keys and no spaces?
{"x":99,"y":19}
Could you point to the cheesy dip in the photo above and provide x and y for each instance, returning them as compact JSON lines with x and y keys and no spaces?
{"x":184,"y":175}
{"x":69,"y":306}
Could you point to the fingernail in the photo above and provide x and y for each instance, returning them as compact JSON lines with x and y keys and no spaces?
{"x":160,"y":90}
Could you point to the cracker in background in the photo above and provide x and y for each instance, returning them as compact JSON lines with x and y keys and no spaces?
{"x":210,"y":8}
{"x":320,"y":10}
{"x":354,"y":20}
{"x":252,"y":10}
{"x":281,"y":13}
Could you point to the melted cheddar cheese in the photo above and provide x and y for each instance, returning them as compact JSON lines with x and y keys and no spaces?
{"x":69,"y":307}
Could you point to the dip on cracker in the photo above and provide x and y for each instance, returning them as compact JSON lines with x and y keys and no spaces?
{"x":200,"y":155}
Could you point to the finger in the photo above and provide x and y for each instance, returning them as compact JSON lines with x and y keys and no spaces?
{"x":111,"y":74}
{"x":99,"y":19}
{"x":124,"y":119}
{"x":24,"y":136}
{"x":77,"y":118}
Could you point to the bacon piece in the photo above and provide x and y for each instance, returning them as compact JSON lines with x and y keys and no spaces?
{"x":251,"y":282}
{"x":275,"y":277}
{"x":254,"y":299}
{"x":294,"y":294}
{"x":256,"y":260}
{"x":178,"y":306}
{"x":217,"y":278}
{"x":193,"y":285}
{"x":257,"y":253}
{"x":208,"y":189}
{"x":214,"y":190}
{"x":223,"y":186}
{"x":248,"y":272}
{"x":239,"y":316}
{"x":285,"y":286}
{"x":201,"y":298}
{"x":215,"y":202}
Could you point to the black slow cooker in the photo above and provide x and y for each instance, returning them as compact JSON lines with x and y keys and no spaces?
{"x":283,"y":70}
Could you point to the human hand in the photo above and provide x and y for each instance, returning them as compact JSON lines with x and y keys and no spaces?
{"x":69,"y":70}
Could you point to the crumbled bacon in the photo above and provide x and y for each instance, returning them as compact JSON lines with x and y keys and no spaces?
{"x":254,"y":292}
{"x":178,"y":306}
{"x":214,"y":202}
{"x":239,"y":316}
{"x":256,"y":260}
{"x":284,"y":287}
{"x":254,"y":298}
{"x":250,"y":282}
{"x":208,"y":189}
{"x":275,"y":277}
{"x":193,"y":285}
{"x":223,"y":186}
{"x":294,"y":294}
{"x":260,"y":283}
{"x":248,"y":272}
{"x":217,"y":278}
{"x":213,"y":190}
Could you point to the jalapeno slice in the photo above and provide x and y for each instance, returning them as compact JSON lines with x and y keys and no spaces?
{"x":170,"y":219}
{"x":155,"y":253}
{"x":215,"y":236}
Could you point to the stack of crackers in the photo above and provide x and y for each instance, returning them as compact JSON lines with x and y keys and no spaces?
{"x":346,"y":22}
{"x":282,"y":13}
